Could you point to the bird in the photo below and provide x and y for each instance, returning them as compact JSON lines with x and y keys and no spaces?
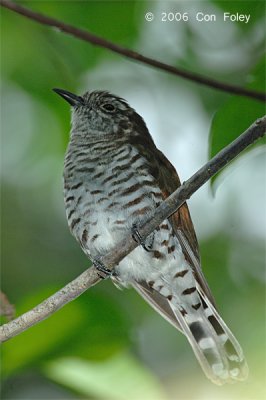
{"x":114,"y":175}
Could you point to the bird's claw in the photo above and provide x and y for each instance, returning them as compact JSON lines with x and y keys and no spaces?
{"x":103,"y":271}
{"x":145,"y":243}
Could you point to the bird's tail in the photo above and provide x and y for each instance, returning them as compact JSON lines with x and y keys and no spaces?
{"x":214,"y":345}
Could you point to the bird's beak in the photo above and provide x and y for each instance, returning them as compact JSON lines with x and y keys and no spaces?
{"x":71,"y":98}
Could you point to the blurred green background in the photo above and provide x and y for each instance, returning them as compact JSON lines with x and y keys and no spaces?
{"x":108,"y":344}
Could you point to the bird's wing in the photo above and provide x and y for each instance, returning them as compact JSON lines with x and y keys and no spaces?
{"x":158,"y":302}
{"x":181,"y":221}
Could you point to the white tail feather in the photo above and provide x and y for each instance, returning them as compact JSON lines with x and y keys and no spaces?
{"x":218,"y":353}
{"x":214,"y":345}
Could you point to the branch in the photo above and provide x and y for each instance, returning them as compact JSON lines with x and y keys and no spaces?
{"x":91,"y":276}
{"x":98,"y":41}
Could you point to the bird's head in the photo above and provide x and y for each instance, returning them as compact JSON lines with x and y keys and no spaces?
{"x":100,"y":115}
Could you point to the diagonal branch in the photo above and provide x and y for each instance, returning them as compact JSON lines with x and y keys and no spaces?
{"x":98,"y":41}
{"x":90,"y":277}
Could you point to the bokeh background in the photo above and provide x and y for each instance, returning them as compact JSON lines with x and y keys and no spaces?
{"x":108,"y":344}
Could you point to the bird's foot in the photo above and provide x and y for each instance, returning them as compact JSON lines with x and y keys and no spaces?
{"x":103,"y":271}
{"x":146,"y":243}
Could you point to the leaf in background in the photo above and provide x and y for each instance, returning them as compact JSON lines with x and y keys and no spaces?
{"x":55,"y":59}
{"x":36,"y":342}
{"x":256,"y":9}
{"x":116,"y":20}
{"x":235,"y":116}
{"x":121,"y":377}
{"x":91,"y":326}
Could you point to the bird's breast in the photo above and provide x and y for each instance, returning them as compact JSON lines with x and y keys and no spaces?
{"x":106,"y":194}
{"x":104,"y":199}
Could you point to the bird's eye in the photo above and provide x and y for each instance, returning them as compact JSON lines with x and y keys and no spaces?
{"x":108,"y":107}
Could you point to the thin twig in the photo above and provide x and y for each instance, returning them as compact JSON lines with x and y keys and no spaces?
{"x":90,"y":277}
{"x":98,"y":41}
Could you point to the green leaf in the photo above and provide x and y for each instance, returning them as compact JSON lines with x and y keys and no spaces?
{"x":121,"y":377}
{"x":236,"y":115}
{"x":63,"y":59}
{"x":253,"y":8}
{"x":36,"y":342}
{"x":91,"y":326}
